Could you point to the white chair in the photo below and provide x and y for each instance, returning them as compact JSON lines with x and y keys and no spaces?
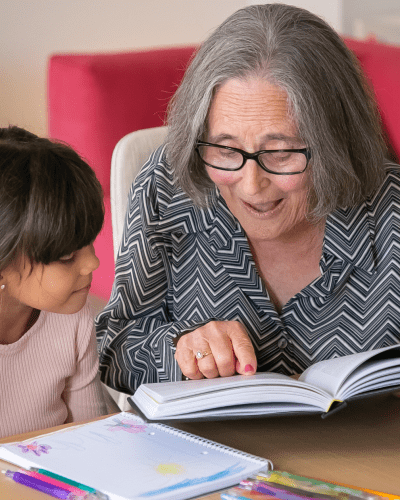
{"x":128,"y":157}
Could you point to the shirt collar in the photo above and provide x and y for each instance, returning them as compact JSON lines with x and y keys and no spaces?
{"x":349,"y":236}
{"x":181,"y":215}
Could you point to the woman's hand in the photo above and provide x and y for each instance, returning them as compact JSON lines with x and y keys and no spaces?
{"x":224,"y":348}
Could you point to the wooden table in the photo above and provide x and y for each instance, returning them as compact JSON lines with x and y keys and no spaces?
{"x":360,"y":446}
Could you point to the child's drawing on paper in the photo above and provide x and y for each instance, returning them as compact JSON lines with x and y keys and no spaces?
{"x":35,"y":448}
{"x":234,"y":469}
{"x":126,"y":425}
{"x":171,"y":468}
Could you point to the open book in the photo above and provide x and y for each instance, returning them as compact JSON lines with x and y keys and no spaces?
{"x":125,"y":458}
{"x":323,"y":388}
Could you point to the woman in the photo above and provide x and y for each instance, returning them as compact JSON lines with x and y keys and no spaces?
{"x":263,"y":234}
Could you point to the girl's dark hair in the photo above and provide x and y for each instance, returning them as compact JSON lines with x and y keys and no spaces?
{"x":51,"y":203}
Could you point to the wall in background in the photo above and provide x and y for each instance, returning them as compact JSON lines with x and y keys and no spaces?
{"x":31,"y":30}
{"x":330,"y":10}
{"x":364,"y":18}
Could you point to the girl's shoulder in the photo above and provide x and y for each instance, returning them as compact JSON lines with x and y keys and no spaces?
{"x":84,"y":316}
{"x":61,"y":335}
{"x":69,"y":328}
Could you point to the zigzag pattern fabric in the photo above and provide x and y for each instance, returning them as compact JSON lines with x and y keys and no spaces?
{"x":180,"y":266}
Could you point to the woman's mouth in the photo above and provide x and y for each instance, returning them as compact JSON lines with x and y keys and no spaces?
{"x":263,"y":209}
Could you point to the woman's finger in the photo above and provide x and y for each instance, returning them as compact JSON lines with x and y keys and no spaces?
{"x":206,"y":363}
{"x":187,"y":362}
{"x":246,"y":360}
{"x":224,"y":356}
{"x":219,"y":348}
{"x":216,"y":334}
{"x":232,"y":349}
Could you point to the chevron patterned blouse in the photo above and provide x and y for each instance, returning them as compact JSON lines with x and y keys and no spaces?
{"x":180,"y":267}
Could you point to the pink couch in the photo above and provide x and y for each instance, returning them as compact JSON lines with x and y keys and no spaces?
{"x":94,"y":100}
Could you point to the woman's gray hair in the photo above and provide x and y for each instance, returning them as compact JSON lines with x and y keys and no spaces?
{"x":331,"y":102}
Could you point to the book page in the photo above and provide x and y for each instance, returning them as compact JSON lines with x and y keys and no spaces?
{"x":169,"y":391}
{"x":330,"y":374}
{"x":174,"y":399}
{"x":385,"y":372}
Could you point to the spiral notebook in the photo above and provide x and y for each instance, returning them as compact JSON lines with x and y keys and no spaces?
{"x":125,"y":458}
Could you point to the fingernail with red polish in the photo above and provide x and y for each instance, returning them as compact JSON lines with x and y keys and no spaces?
{"x":248,"y":368}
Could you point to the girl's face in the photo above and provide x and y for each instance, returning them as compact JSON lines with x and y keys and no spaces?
{"x":253,"y":115}
{"x":60,"y":287}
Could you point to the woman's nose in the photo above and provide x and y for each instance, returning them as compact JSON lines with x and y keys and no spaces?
{"x":254,"y":178}
{"x":90,"y":262}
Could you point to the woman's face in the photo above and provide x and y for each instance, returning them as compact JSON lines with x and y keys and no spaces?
{"x":253,"y":115}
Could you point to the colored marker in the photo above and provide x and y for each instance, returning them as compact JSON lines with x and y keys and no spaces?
{"x":313,"y":485}
{"x":39,"y":485}
{"x":283,"y":493}
{"x":98,"y":495}
{"x":55,"y":482}
{"x":238,"y":493}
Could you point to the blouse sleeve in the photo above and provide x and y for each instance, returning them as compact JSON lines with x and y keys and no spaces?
{"x":135,"y":331}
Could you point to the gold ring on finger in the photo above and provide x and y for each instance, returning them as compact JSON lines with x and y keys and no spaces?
{"x":202,"y":354}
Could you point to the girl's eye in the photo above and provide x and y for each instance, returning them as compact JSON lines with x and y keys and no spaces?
{"x":68,"y":258}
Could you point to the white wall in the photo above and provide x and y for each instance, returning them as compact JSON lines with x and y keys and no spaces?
{"x":31,"y":30}
{"x":330,"y":10}
{"x":379,"y":19}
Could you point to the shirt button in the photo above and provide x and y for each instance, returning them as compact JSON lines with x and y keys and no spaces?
{"x":282,"y":343}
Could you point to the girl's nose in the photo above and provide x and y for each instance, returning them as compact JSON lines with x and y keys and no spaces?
{"x":90,"y":262}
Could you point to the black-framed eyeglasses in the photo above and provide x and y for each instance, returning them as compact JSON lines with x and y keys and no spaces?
{"x":274,"y":161}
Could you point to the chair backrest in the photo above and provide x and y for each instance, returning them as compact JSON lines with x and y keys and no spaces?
{"x":128,"y":157}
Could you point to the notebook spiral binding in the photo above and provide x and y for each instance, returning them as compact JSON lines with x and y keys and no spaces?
{"x":202,"y":441}
{"x":211,"y":444}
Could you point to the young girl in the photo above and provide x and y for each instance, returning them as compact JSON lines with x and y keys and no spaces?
{"x":51,"y":210}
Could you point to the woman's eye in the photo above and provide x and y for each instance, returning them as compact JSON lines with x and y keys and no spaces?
{"x":68,"y":258}
{"x":225,"y":153}
{"x":282,"y":156}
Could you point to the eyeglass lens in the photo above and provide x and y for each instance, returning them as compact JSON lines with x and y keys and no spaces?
{"x":277,"y":161}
